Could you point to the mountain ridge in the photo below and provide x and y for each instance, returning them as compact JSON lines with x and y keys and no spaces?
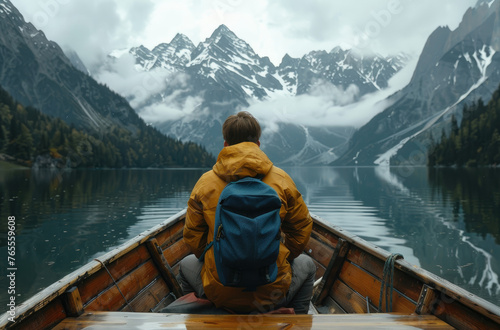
{"x":37,"y":73}
{"x":455,"y":67}
{"x":225,"y":75}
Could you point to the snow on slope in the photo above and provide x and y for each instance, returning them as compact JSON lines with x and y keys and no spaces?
{"x":483,"y":59}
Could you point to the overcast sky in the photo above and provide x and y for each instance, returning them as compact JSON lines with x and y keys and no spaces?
{"x":272,"y":28}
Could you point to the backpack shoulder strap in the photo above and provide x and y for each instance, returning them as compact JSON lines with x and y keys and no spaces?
{"x":209,"y":245}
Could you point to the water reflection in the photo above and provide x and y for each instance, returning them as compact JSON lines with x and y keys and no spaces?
{"x":474,"y":204}
{"x":436,"y":230}
{"x":333,"y":194}
{"x":65,"y":219}
{"x":446,"y":221}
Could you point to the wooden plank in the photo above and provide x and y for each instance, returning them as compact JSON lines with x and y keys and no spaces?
{"x":46,"y":318}
{"x":73,"y":302}
{"x":324,"y":235}
{"x":167,"y":300}
{"x":54,"y":291}
{"x":406,"y":284}
{"x":171,"y":234}
{"x":163,"y":266}
{"x":348,"y":299}
{"x":112,"y":300}
{"x":319,"y":251}
{"x":150,"y":297}
{"x":99,"y":281}
{"x":460,"y":316}
{"x":176,"y":252}
{"x":330,"y":307}
{"x":439,"y":284}
{"x":332,"y":271}
{"x":450,"y":302}
{"x":369,"y":286}
{"x":112,"y":320}
{"x":426,"y":302}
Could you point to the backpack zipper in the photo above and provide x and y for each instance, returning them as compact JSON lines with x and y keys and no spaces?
{"x":219,"y":233}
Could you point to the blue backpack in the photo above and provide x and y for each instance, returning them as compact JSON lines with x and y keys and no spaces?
{"x":247,"y":235}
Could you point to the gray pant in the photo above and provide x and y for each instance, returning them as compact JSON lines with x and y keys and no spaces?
{"x":298,"y":296}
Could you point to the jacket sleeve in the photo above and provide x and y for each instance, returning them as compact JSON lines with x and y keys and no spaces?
{"x":297,"y":224}
{"x":195,"y":227}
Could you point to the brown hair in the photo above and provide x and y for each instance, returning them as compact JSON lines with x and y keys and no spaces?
{"x":242,"y":127}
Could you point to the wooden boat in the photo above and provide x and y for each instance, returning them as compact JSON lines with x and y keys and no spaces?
{"x":127,"y":287}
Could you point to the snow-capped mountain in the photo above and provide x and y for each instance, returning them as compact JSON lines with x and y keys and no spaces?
{"x":36,"y":72}
{"x":230,"y":61}
{"x":455,"y":68}
{"x":171,"y":56}
{"x":223,"y":74}
{"x":341,"y":68}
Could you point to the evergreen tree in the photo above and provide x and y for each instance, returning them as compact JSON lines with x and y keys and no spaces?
{"x":3,"y":138}
{"x":26,"y":133}
{"x":476,"y":141}
{"x":43,"y":144}
{"x":21,"y":146}
{"x":454,"y":125}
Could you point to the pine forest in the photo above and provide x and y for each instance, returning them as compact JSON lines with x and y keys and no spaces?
{"x":31,"y":138}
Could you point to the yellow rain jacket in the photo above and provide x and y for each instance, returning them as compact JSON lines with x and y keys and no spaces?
{"x":235,"y":162}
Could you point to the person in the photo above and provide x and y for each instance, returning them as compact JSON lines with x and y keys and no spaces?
{"x":242,"y":157}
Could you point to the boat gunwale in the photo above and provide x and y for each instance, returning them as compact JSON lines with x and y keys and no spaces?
{"x":434,"y":281}
{"x":47,"y":295}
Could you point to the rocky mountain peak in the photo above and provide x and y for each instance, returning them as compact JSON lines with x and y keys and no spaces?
{"x":225,"y":74}
{"x":179,"y":43}
{"x":455,"y":68}
{"x":222,"y":31}
{"x":288,"y":61}
{"x":223,"y":44}
{"x":181,"y":39}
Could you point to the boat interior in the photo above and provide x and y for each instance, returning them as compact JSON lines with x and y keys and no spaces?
{"x":358,"y":285}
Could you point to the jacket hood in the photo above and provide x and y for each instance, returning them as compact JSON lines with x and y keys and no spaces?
{"x":242,"y":160}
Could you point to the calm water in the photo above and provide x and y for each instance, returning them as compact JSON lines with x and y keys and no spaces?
{"x":446,"y":221}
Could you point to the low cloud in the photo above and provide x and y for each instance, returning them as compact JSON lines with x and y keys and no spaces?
{"x":328,"y":105}
{"x":315,"y":111}
{"x":137,"y":86}
{"x":171,"y":109}
{"x":336,"y":95}
{"x":157,"y":95}
{"x":161,"y":96}
{"x":92,"y":28}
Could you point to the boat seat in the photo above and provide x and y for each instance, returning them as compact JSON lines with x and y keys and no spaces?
{"x":191,"y":304}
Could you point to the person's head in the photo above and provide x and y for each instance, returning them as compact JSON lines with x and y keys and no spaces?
{"x":242,"y":127}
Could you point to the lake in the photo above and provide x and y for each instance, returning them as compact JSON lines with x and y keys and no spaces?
{"x":444,"y":220}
